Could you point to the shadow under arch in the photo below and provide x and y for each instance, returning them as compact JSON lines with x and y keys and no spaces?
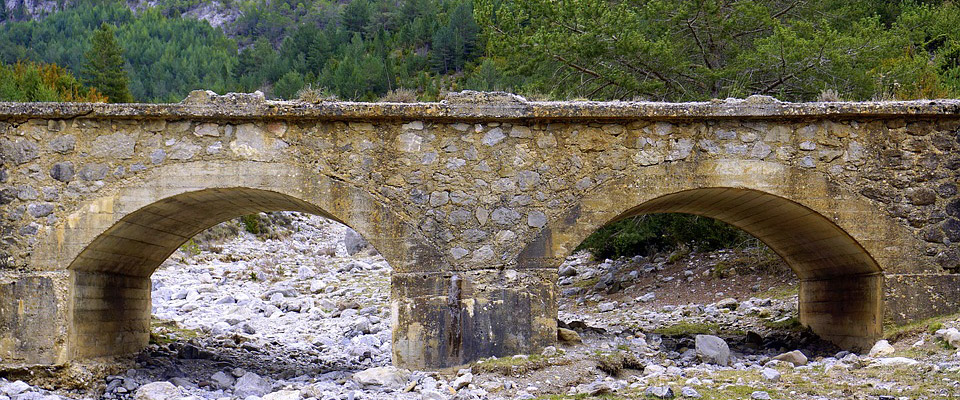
{"x":837,"y":243}
{"x":813,"y":246}
{"x":112,"y":244}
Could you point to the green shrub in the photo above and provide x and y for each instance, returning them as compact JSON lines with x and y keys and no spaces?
{"x":251,"y":223}
{"x":191,"y":248}
{"x":652,"y":233}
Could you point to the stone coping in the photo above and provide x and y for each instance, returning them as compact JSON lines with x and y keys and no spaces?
{"x":255,"y":107}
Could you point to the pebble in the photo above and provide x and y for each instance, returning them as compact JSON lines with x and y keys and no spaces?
{"x":760,"y":395}
{"x":770,"y":375}
{"x":659,"y":392}
{"x":689,"y":392}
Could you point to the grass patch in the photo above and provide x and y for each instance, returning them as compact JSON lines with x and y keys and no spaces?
{"x":780,"y":292}
{"x":789,"y":324}
{"x":689,"y":328}
{"x":166,"y":332}
{"x":608,"y":396}
{"x":894,"y":333}
{"x":587,"y":283}
{"x":515,"y":366}
{"x":614,"y":363}
{"x":251,"y":223}
{"x":734,"y":392}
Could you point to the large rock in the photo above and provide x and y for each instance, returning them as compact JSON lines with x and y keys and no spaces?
{"x":62,"y":171}
{"x":729,"y":303}
{"x":117,"y":145}
{"x":795,"y":357}
{"x":462,"y":381}
{"x":63,"y":144}
{"x":952,"y":337}
{"x":386,"y":377}
{"x":770,"y":375}
{"x":894,"y":362}
{"x":760,"y":395}
{"x":713,"y":350}
{"x":353,"y":242}
{"x":689,"y":392}
{"x":157,"y":391}
{"x":222,"y":380}
{"x":15,"y":388}
{"x":251,"y":384}
{"x":881,"y":348}
{"x":568,"y":336}
{"x":18,"y":152}
{"x":283,"y":395}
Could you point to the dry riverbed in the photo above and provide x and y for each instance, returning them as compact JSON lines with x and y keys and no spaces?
{"x":302,"y":312}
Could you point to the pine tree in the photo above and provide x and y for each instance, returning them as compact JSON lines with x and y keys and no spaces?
{"x":104,"y":68}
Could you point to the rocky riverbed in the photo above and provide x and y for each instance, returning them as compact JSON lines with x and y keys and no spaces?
{"x":302,"y":311}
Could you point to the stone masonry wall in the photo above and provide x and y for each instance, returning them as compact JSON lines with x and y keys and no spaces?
{"x":479,"y":188}
{"x":479,"y":180}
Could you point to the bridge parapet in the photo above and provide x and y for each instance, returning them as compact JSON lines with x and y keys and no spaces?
{"x":474,"y":203}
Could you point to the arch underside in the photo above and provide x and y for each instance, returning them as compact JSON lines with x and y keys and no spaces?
{"x":111,"y":308}
{"x":840,"y":283}
{"x":113,"y":243}
{"x":139,"y":242}
{"x":813,"y":246}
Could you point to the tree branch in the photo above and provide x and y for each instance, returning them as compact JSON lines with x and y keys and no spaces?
{"x":703,"y":51}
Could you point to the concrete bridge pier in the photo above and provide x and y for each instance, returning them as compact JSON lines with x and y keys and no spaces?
{"x":440,"y":319}
{"x":446,"y":319}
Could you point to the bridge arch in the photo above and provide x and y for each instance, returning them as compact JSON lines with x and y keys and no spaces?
{"x":112,"y":244}
{"x":836,"y":242}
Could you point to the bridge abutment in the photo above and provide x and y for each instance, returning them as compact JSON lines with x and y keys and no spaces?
{"x":845,"y":310}
{"x":35,"y":317}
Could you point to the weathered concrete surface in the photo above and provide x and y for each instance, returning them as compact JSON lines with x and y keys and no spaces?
{"x":474,"y":204}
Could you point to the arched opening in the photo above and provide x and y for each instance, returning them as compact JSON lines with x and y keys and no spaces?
{"x":112,"y":292}
{"x":305,"y":292}
{"x":840,"y":294}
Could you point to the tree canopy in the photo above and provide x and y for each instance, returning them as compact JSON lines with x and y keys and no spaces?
{"x":26,"y":81}
{"x":104,"y":68}
{"x":702,"y":49}
{"x":603,"y":50}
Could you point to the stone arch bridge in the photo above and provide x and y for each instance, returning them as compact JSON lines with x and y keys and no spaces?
{"x":474,"y":202}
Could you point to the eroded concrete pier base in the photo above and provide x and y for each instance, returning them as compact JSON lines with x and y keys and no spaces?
{"x":35,"y":317}
{"x":453,"y":318}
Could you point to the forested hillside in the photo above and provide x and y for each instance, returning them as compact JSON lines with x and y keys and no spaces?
{"x":416,"y":49}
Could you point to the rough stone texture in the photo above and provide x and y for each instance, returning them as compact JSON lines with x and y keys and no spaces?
{"x":62,"y":171}
{"x":474,"y":205}
{"x":712,"y":349}
{"x":385,"y":377}
{"x":881,"y":348}
{"x":795,"y":357}
{"x":353,"y":242}
{"x":19,"y":151}
{"x":157,"y":391}
{"x":251,"y":384}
